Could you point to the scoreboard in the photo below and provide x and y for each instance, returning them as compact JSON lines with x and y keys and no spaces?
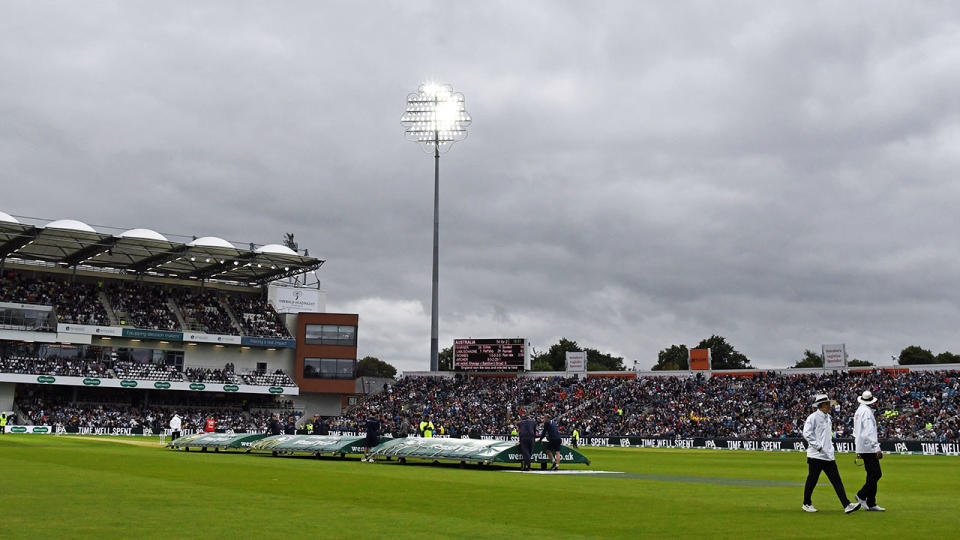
{"x":501,"y":354}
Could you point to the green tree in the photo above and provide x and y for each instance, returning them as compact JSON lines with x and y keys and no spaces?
{"x":445,"y":359}
{"x":723,"y":355}
{"x":810,"y":359}
{"x":914,"y":354}
{"x":856,"y":362}
{"x":597,"y":361}
{"x":371,"y":366}
{"x":555,"y":359}
{"x":947,"y":357}
{"x":672,"y":359}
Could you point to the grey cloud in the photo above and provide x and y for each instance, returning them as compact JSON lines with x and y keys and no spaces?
{"x":635,"y":176}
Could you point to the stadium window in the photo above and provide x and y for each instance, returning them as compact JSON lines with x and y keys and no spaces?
{"x":330,"y":334}
{"x":347,"y":335}
{"x":328,"y":368}
{"x":311,"y":335}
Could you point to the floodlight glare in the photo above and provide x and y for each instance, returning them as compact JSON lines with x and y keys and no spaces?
{"x":435,"y":118}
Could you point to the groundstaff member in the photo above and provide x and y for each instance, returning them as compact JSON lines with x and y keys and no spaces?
{"x":175,"y":424}
{"x":818,"y":431}
{"x":426,"y":427}
{"x":373,"y":437}
{"x":3,"y":423}
{"x":868,"y":449}
{"x":552,"y":433}
{"x":528,"y":433}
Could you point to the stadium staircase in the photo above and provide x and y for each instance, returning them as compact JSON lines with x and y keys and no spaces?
{"x":192,"y":327}
{"x":108,"y":307}
{"x":233,"y":316}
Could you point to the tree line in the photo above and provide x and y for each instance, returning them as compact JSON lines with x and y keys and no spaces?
{"x":673,"y":358}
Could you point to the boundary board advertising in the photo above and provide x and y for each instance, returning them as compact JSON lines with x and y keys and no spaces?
{"x":498,"y":354}
{"x":842,"y":446}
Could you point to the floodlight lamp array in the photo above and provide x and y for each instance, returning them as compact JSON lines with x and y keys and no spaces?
{"x":435,"y":117}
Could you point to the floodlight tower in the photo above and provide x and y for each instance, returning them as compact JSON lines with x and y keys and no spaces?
{"x":435,"y":118}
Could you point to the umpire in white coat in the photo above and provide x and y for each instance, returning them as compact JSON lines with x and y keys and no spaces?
{"x":818,"y":431}
{"x":868,"y":449}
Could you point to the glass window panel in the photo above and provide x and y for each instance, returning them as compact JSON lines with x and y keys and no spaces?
{"x":345,"y":369}
{"x":313,"y":334}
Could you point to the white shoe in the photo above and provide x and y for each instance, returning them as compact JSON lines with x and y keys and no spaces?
{"x":851,"y":508}
{"x":863,"y":502}
{"x":876,"y":509}
{"x":809,"y":508}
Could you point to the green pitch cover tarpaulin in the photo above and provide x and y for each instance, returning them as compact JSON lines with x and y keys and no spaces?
{"x":216,"y":441}
{"x":476,"y":450}
{"x":312,"y":444}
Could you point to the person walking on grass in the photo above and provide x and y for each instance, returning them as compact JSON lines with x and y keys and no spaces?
{"x":867,"y":447}
{"x":818,"y":432}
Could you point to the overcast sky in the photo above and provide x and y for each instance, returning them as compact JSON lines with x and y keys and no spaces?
{"x":636,"y":175}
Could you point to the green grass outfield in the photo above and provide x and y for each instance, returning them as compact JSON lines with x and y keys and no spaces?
{"x":71,"y":487}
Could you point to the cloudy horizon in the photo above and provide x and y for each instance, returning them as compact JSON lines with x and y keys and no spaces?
{"x":636,"y":175}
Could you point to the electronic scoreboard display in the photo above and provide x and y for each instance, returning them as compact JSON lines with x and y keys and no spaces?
{"x":502,"y":354}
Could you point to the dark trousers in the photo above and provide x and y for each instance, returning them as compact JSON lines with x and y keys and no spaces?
{"x":869,"y":490}
{"x":174,"y":435}
{"x":815,"y":466}
{"x":526,"y":450}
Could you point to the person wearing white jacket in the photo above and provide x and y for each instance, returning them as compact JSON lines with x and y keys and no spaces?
{"x":818,"y":431}
{"x":175,"y":424}
{"x":867,"y":447}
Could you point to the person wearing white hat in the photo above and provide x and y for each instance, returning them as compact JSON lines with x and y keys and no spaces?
{"x":818,"y":432}
{"x":868,"y":449}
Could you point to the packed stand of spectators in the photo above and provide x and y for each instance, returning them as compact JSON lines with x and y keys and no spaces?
{"x":56,"y":409}
{"x":142,"y":306}
{"x":261,"y":378}
{"x":203,"y":308}
{"x":914,"y":405}
{"x":144,"y":371}
{"x":63,"y":367}
{"x":257,"y":317}
{"x":75,"y":302}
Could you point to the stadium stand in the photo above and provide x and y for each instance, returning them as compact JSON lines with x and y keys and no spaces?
{"x":53,"y":366}
{"x":203,"y":309}
{"x":112,"y":409}
{"x":277,"y":378}
{"x":122,"y":369}
{"x":76,"y":303}
{"x":143,"y":305}
{"x":257,"y":317}
{"x":915,"y":405}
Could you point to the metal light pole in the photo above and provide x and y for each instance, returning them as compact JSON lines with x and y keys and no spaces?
{"x":435,"y":118}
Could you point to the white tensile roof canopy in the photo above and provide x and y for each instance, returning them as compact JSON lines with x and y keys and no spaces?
{"x":70,"y":243}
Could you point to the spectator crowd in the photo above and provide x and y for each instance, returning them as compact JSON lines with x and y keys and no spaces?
{"x":75,"y":302}
{"x":144,"y":371}
{"x":144,"y":305}
{"x":48,"y":406}
{"x":257,"y":317}
{"x":913,"y":405}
